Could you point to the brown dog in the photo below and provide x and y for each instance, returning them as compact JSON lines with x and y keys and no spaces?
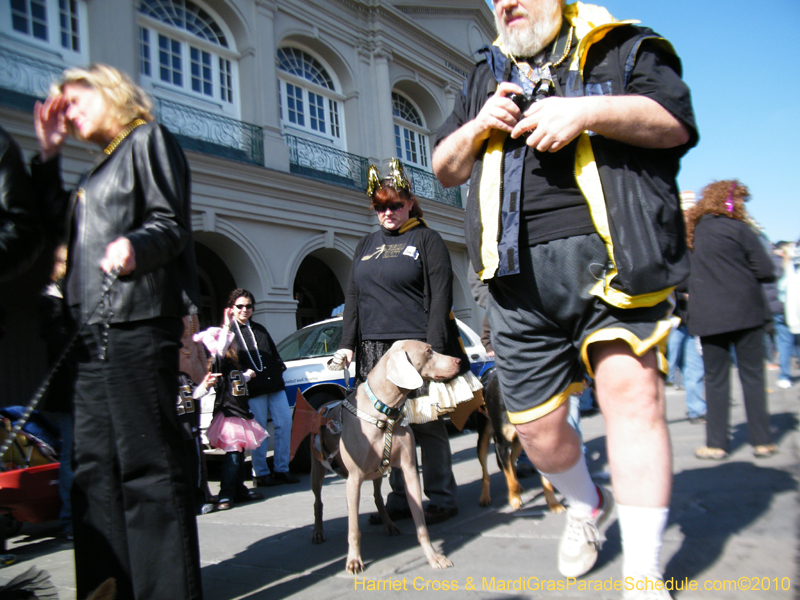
{"x":507,"y":448}
{"x":357,"y":447}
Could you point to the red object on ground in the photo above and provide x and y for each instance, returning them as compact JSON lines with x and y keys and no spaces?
{"x":306,"y":420}
{"x":31,"y":495}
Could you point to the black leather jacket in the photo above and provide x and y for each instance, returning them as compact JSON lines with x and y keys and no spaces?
{"x":141,"y":191}
{"x":21,"y":234}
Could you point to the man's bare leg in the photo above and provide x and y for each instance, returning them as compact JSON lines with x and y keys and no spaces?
{"x":630,"y":392}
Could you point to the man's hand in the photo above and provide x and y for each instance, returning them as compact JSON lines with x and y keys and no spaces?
{"x":499,"y":112}
{"x":454,"y":156}
{"x":553,"y":123}
{"x":635,"y":120}
{"x":119,"y":254}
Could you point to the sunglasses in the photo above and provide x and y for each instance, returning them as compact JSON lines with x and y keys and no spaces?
{"x":393,"y":206}
{"x":244,"y":306}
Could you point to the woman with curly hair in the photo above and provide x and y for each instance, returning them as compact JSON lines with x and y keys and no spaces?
{"x":726,"y":308}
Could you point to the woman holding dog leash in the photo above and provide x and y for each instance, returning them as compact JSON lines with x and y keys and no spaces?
{"x":401,"y":287}
{"x":132,"y":497}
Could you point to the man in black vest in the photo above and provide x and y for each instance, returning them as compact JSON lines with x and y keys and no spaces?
{"x":570,"y":130}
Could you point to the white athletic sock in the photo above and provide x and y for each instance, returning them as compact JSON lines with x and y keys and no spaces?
{"x":578,"y":488}
{"x":641,"y":528}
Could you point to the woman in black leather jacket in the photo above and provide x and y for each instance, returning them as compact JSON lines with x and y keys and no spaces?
{"x":134,"y":517}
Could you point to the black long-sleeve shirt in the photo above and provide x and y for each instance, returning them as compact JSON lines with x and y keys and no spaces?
{"x":387,"y":296}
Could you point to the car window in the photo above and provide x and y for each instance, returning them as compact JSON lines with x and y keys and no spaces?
{"x":310,"y":342}
{"x":465,"y":339}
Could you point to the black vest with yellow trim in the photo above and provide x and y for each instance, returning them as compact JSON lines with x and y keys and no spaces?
{"x":631,"y":192}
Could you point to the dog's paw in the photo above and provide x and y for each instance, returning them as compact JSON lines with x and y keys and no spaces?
{"x":391,"y":529}
{"x":317,"y":537}
{"x":486,"y":500}
{"x":439,"y":561}
{"x":556,"y":507}
{"x":515,"y":501}
{"x":354,"y":565}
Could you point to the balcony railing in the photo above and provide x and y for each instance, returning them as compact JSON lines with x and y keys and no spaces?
{"x":327,"y":164}
{"x":321,"y":162}
{"x":425,"y":185}
{"x":212,"y":134}
{"x":24,"y":79}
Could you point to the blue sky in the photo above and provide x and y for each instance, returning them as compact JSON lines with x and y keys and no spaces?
{"x":741,"y":60}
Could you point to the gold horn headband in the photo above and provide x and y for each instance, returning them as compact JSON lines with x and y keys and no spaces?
{"x":396,"y":178}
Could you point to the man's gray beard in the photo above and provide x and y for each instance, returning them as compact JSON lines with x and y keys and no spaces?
{"x":529,"y":41}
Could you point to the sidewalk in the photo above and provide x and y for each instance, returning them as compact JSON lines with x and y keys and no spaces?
{"x":734,"y":520}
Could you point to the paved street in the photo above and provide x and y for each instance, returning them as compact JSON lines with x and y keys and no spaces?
{"x":731,"y":521}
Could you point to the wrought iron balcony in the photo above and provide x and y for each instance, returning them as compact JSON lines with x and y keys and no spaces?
{"x":425,"y":185}
{"x":212,"y":134}
{"x":327,"y":164}
{"x":24,"y":79}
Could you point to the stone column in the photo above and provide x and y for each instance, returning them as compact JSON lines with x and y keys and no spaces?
{"x":384,"y":127}
{"x":113,"y":35}
{"x":263,"y":88}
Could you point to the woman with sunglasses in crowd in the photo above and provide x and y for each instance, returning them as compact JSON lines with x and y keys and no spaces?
{"x":256,"y":350}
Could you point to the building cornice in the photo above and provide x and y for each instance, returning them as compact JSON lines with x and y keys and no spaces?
{"x":375,"y":10}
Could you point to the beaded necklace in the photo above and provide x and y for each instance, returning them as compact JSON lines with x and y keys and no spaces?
{"x":543,"y":71}
{"x":260,"y":366}
{"x":123,"y":134}
{"x":191,"y":337}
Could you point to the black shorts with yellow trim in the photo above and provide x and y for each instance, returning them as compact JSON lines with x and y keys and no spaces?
{"x":544,"y":319}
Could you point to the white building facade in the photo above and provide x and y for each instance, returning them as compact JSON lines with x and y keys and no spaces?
{"x":281,"y":105}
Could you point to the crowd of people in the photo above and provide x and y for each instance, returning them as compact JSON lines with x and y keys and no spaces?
{"x":570,"y":131}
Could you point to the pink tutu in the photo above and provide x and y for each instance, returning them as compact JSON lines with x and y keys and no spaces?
{"x":234,"y":434}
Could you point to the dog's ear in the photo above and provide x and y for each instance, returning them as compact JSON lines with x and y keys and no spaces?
{"x":401,"y":372}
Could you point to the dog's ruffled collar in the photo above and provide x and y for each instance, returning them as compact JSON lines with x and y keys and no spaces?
{"x":392,"y":413}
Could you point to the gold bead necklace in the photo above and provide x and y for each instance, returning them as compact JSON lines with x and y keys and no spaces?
{"x":123,"y":134}
{"x":191,"y":337}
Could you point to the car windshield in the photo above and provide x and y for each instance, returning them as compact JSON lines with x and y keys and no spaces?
{"x":316,"y":340}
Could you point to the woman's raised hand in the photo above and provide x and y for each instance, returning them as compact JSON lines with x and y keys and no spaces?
{"x":50,"y":122}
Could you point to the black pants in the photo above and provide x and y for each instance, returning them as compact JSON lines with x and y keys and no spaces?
{"x":231,"y":479}
{"x":749,"y":346}
{"x":133,"y":498}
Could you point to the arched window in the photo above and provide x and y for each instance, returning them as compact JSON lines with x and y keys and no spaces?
{"x":182,"y":48}
{"x":309,"y":99}
{"x":57,"y":24}
{"x":410,"y":135}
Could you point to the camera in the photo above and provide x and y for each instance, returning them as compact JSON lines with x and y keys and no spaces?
{"x":523,"y":101}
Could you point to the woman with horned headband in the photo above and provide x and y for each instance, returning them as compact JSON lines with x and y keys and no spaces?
{"x":401,"y":287}
{"x":726,"y":308}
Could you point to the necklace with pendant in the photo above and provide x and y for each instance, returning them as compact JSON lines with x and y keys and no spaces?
{"x":544,"y":71}
{"x":260,"y":366}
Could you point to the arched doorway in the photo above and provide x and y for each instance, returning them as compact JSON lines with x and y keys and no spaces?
{"x":216,"y":282}
{"x":317,"y":291}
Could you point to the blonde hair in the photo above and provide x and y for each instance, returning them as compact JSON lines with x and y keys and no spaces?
{"x":126,"y":100}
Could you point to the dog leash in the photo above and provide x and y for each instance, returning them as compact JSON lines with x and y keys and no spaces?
{"x":386,"y":426}
{"x":108,"y":281}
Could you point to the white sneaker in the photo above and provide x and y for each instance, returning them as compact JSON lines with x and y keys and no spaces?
{"x":577,"y":551}
{"x":784,"y":384}
{"x":649,"y":592}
